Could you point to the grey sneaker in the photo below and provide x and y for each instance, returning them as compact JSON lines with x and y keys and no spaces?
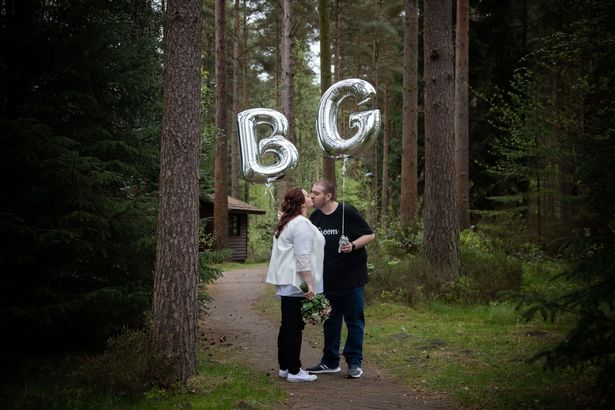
{"x":354,"y":371}
{"x":323,"y":368}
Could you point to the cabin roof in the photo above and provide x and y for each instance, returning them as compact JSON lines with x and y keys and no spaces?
{"x":235,"y":205}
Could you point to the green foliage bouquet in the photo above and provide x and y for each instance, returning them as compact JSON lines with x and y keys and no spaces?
{"x":315,"y":310}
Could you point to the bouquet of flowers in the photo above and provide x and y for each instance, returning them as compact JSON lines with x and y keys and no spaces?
{"x":315,"y":310}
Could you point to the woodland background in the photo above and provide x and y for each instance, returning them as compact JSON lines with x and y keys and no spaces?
{"x":81,"y":86}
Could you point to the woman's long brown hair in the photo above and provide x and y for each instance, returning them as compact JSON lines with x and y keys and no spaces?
{"x":291,"y":207}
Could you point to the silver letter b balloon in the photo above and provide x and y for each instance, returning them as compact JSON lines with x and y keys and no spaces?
{"x":252,"y":153}
{"x":367,"y":123}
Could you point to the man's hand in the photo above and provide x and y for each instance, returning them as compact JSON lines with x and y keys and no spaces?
{"x":347,"y":248}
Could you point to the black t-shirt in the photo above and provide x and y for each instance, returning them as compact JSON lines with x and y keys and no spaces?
{"x":342,"y":271}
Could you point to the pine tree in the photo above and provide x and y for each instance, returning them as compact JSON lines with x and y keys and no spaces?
{"x":462,"y":179}
{"x":408,"y":194}
{"x":220,"y":240}
{"x":175,"y":307}
{"x":235,"y":136}
{"x":325,"y":73}
{"x":287,"y":77}
{"x":441,"y":232}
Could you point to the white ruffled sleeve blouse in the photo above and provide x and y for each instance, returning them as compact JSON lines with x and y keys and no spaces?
{"x":299,"y":248}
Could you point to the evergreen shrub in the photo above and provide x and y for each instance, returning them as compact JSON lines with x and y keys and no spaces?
{"x":128,"y":365}
{"x":402,"y":277}
{"x":486,"y":271}
{"x":484,"y":275}
{"x":405,"y":280}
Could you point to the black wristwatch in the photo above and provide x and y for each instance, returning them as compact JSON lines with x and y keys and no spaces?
{"x":354,"y":247}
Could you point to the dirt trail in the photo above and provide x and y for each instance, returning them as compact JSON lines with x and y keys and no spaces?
{"x":233,"y":320}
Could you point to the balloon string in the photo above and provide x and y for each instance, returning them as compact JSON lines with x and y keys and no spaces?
{"x":269,"y":190}
{"x":343,"y":191}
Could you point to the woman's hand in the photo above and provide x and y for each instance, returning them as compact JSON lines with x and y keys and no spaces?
{"x":308,"y":282}
{"x":310,"y":293}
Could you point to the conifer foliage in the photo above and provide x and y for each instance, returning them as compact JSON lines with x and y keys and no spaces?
{"x":79,"y":125}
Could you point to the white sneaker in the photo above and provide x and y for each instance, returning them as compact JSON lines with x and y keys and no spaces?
{"x":283,"y":373}
{"x":302,"y":376}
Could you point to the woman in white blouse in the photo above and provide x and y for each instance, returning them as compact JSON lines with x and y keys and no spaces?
{"x":296,"y":257}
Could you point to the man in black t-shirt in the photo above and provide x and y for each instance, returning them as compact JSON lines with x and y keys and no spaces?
{"x":345,"y":273}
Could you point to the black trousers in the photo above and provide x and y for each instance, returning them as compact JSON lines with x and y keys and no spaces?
{"x":291,"y":331}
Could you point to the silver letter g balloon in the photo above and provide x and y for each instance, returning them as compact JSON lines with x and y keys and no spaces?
{"x":285,"y":152}
{"x":367,"y":123}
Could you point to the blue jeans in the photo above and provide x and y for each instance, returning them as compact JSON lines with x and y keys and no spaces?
{"x":346,"y":306}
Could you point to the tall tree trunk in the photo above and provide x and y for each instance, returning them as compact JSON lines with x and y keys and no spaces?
{"x":325,"y":73}
{"x":462,"y":152}
{"x":174,"y":316}
{"x":539,"y":204}
{"x":338,"y":70}
{"x":551,"y":148}
{"x":9,"y":70}
{"x":235,"y":140}
{"x":287,"y":76}
{"x":524,"y":24}
{"x":246,"y":58}
{"x":408,"y":194}
{"x":441,"y":232}
{"x":246,"y":55}
{"x":338,"y":40}
{"x":374,"y":150}
{"x":373,"y":153}
{"x":276,"y":71}
{"x":568,"y":162}
{"x":220,"y":237}
{"x":384,"y":212}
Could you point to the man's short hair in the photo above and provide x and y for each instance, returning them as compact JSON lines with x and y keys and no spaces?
{"x":327,"y":187}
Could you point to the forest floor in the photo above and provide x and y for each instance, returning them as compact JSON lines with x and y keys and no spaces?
{"x":237,"y":323}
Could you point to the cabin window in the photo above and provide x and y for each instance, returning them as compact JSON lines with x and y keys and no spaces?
{"x":234,"y":225}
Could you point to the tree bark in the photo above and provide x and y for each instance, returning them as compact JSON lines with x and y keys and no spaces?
{"x":174,"y":316}
{"x":220,"y":234}
{"x":408,"y":194}
{"x":441,"y":232}
{"x":372,"y":213}
{"x":235,"y":140}
{"x":325,"y":73}
{"x":287,"y":77}
{"x":462,"y":167}
{"x":276,"y":71}
{"x":10,"y":94}
{"x":384,"y":212}
{"x":246,"y":58}
{"x":338,"y":40}
{"x":524,"y":24}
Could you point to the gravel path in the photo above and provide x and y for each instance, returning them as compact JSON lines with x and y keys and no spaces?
{"x":234,"y":321}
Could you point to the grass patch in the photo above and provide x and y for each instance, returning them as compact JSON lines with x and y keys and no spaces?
{"x":228,"y":266}
{"x":58,"y":383}
{"x":477,"y":354}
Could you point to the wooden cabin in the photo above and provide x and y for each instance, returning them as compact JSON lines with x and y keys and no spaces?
{"x":238,"y":212}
